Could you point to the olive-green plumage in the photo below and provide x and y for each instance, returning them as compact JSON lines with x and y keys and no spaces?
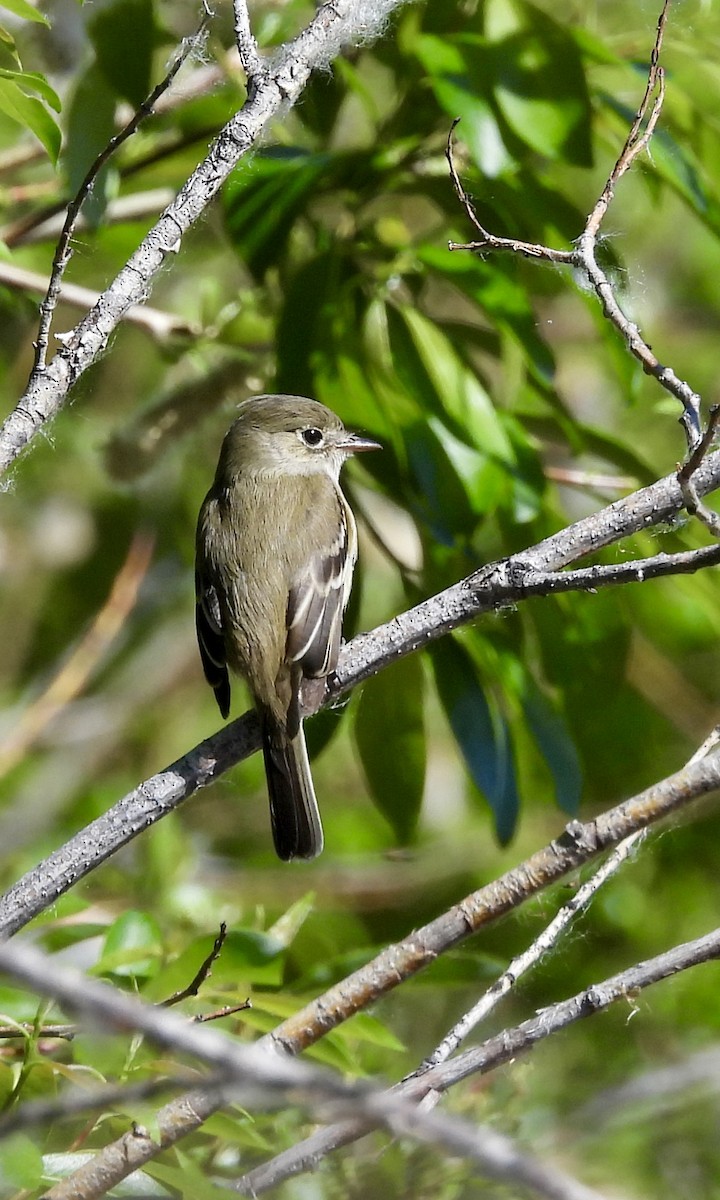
{"x":276,"y":547}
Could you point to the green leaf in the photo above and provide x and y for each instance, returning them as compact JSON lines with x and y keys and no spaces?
{"x":91,"y":124}
{"x":305,"y":329}
{"x":539,"y":81}
{"x":287,"y":927}
{"x":123,"y":36}
{"x":443,"y":502}
{"x":390,"y":736}
{"x":496,"y":287}
{"x":480,"y":731}
{"x":250,"y":956}
{"x":133,"y":946}
{"x":28,"y":111}
{"x":365,"y":1027}
{"x":459,"y":90}
{"x":426,"y":359}
{"x":260,"y":209}
{"x":21,"y":1163}
{"x":556,"y":745}
{"x":32,"y":81}
{"x":22,"y":9}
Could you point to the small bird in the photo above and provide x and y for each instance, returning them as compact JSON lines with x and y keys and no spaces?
{"x":275,"y":553}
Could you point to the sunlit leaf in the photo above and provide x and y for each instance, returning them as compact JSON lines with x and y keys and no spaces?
{"x":547,"y":108}
{"x":27,"y":12}
{"x":460,"y":90}
{"x":28,"y":111}
{"x":133,"y":946}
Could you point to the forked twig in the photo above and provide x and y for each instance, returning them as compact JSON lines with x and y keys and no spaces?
{"x":583,"y":259}
{"x":63,"y":250}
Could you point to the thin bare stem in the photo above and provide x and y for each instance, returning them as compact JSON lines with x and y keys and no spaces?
{"x":204,"y":970}
{"x":495,"y":1052}
{"x":63,"y":250}
{"x":582,"y":258}
{"x":159,"y":324}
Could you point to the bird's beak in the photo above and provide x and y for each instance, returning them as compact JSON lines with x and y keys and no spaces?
{"x":353,"y":443}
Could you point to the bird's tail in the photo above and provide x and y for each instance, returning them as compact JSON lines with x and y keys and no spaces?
{"x":296,"y":826}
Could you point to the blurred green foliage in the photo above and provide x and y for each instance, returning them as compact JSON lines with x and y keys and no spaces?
{"x":324,"y":270}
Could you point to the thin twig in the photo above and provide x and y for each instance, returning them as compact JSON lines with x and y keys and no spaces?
{"x":96,"y":1098}
{"x":529,"y":958}
{"x":686,"y":472}
{"x":202,"y":974}
{"x":229,"y":1010}
{"x":158,"y":324}
{"x":496,"y":1051}
{"x":592,"y":481}
{"x":579,"y":844}
{"x":582,"y":258}
{"x":311,"y":1150}
{"x":24,"y":1029}
{"x":637,"y":139}
{"x":247,"y":47}
{"x":63,"y":251}
{"x":256,"y":1072}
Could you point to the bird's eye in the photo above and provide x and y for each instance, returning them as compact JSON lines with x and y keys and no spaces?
{"x":312,"y":437}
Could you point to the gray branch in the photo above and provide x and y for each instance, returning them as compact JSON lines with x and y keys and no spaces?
{"x":496,"y":1051}
{"x":256,"y":1073}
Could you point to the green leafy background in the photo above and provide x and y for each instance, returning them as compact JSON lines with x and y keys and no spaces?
{"x":324,"y":269}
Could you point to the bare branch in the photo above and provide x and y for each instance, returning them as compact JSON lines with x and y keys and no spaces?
{"x":686,"y":472}
{"x":257,"y":1072}
{"x":63,"y":250}
{"x":311,"y":1150}
{"x":97,"y":1098}
{"x":247,"y":46}
{"x":637,"y":139}
{"x":579,"y":844}
{"x":204,"y":970}
{"x":529,"y":958}
{"x":502,"y":1048}
{"x":333,"y":26}
{"x":158,"y":324}
{"x":583,"y":257}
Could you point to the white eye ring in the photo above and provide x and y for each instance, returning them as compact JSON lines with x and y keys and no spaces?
{"x":312,"y":437}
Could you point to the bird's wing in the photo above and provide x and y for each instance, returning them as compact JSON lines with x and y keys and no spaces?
{"x":317,"y":599}
{"x":208,"y":622}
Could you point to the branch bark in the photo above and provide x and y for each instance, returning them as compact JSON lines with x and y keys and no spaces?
{"x":256,"y":1072}
{"x":334,"y":26}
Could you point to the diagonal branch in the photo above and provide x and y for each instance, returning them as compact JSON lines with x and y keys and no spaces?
{"x":334,"y":26}
{"x":496,"y":1051}
{"x":255,"y":1072}
{"x":63,"y":250}
{"x":583,"y":259}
